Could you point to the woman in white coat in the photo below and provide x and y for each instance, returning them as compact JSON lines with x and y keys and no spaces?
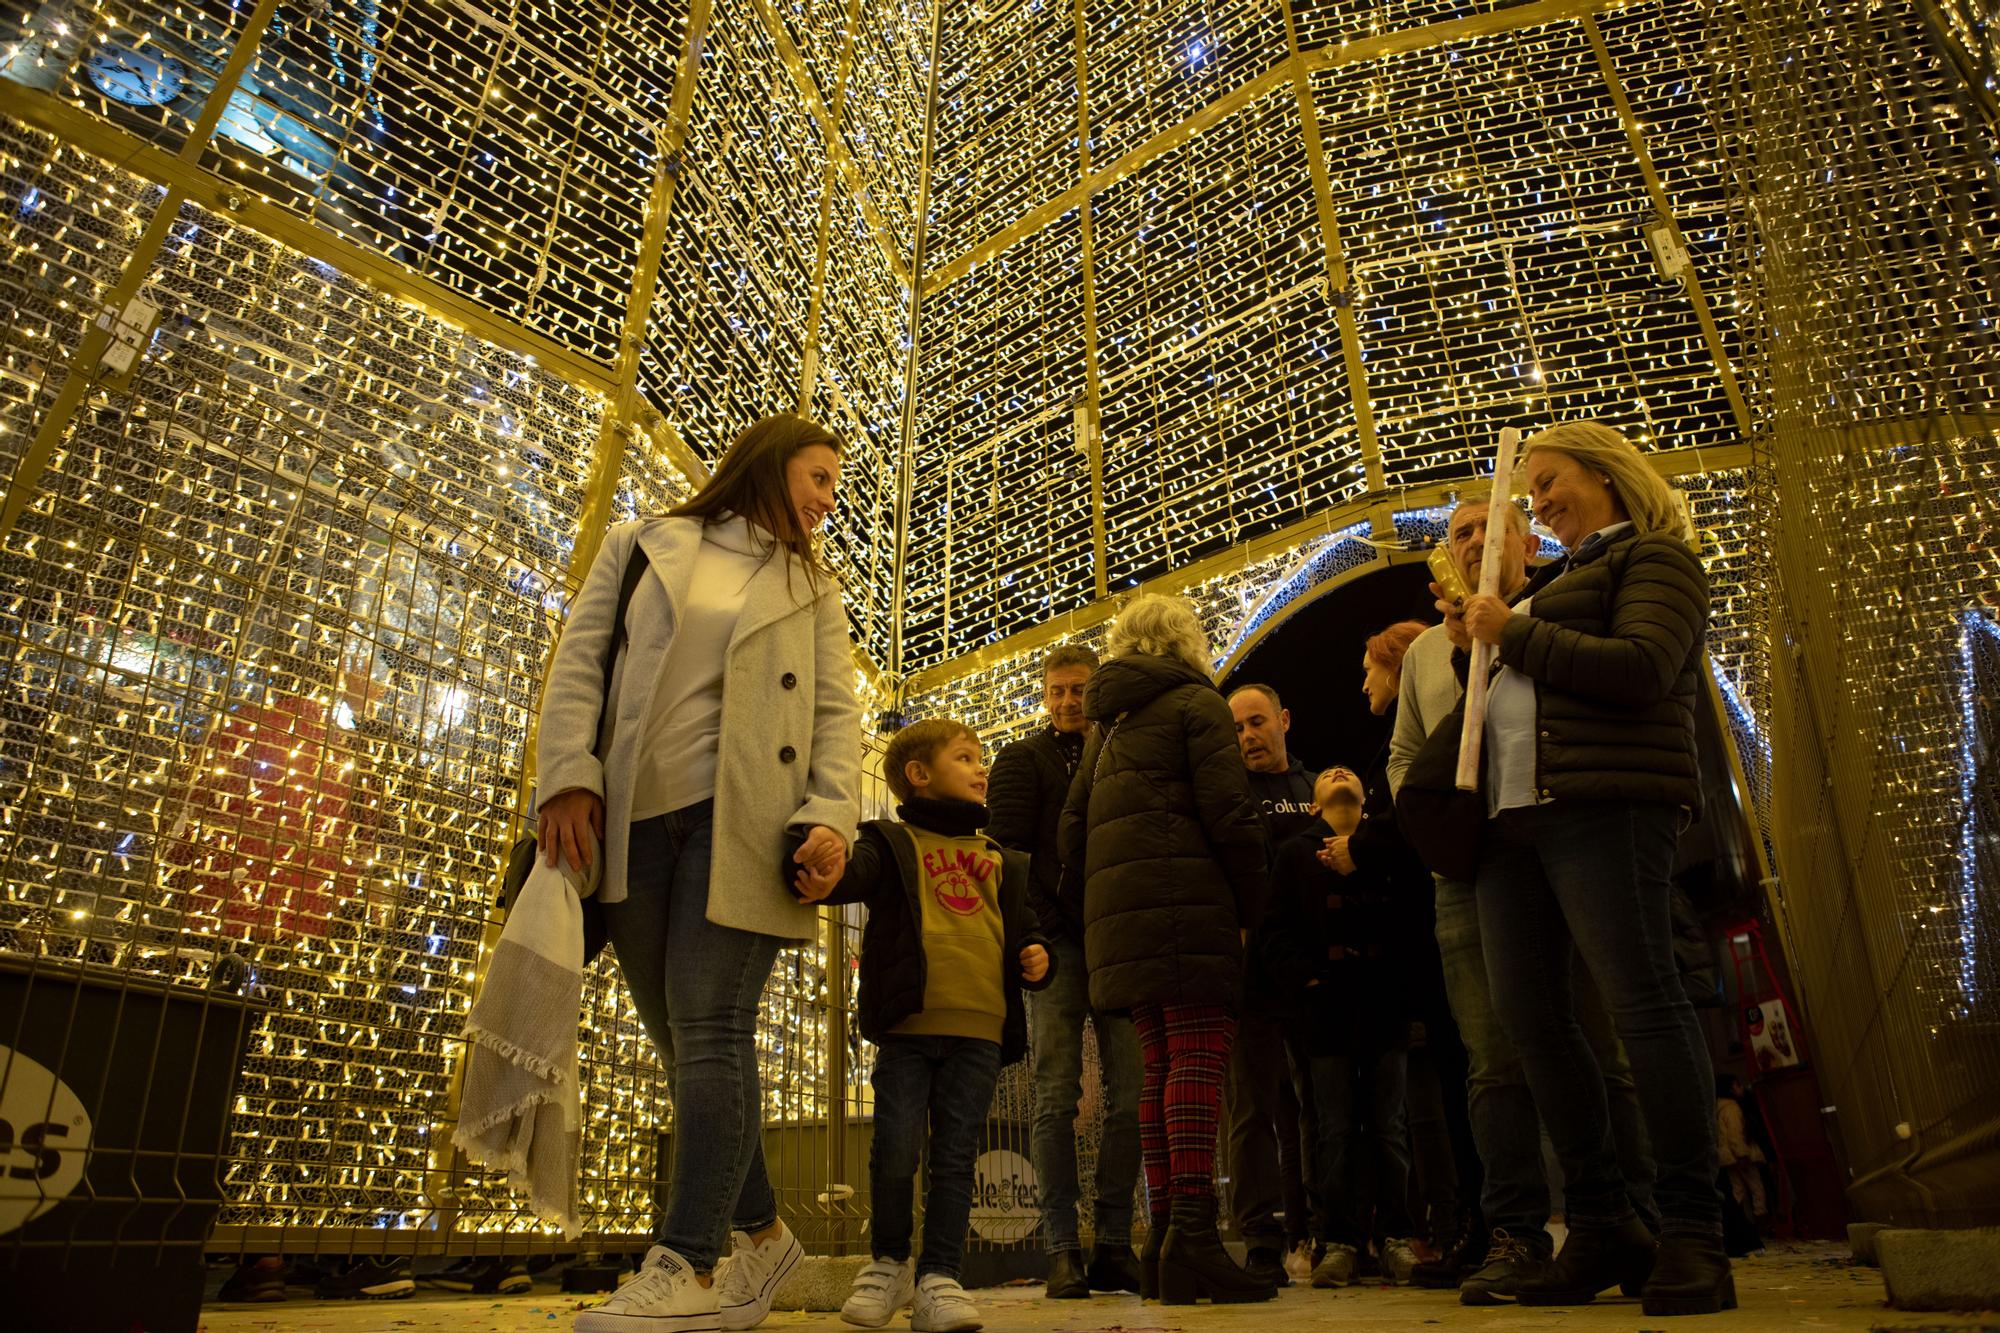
{"x":731,"y":722}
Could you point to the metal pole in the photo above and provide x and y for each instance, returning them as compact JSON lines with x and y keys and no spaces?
{"x":905,"y":483}
{"x":1092,"y":419}
{"x":1339,"y":286}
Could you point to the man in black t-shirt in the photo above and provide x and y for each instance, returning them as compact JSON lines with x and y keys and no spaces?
{"x":1267,"y":1166}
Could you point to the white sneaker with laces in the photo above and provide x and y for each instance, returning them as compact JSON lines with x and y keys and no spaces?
{"x":943,"y":1307}
{"x":749,"y":1278}
{"x":881,"y":1290}
{"x":1398,"y":1258}
{"x":1299,"y":1261}
{"x":663,"y":1298}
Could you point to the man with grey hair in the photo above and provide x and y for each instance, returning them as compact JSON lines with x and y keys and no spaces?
{"x":1514,"y":1201}
{"x":1024,"y":799}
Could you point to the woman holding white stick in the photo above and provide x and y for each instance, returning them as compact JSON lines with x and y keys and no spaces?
{"x":1590,"y":775}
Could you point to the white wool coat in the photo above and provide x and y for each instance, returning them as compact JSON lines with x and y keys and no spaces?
{"x":791,"y":728}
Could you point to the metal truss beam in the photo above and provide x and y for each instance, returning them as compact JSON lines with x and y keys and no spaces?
{"x":81,"y":371}
{"x":1340,"y":291}
{"x":836,"y":147}
{"x":196,"y":183}
{"x":1356,"y":51}
{"x":1669,"y":462}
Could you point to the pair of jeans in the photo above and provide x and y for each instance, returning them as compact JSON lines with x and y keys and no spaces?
{"x":1266,"y":1167}
{"x":1058,"y":1015}
{"x":1364,"y":1153}
{"x":1514,"y":1194}
{"x":944,"y":1084}
{"x":1592,"y":879}
{"x":697,"y":986}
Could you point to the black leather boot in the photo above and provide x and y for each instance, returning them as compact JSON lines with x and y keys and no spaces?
{"x":1267,"y":1266}
{"x":1114,"y":1268}
{"x":1691,"y":1276}
{"x":1193,"y":1263}
{"x":1593,"y":1258}
{"x":1066,"y":1279}
{"x":1149,"y":1258}
{"x":1460,"y":1256}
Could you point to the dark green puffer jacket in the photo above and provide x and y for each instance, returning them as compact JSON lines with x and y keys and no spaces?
{"x":1613,"y":643}
{"x":1171,"y":846}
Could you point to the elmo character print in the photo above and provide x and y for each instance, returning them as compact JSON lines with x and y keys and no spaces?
{"x":955,"y":877}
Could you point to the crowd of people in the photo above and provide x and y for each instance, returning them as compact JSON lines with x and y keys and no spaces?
{"x":1347,"y":976}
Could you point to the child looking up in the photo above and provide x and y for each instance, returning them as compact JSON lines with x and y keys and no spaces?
{"x":950,"y":943}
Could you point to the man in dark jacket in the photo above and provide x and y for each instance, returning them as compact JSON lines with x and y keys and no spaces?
{"x":1025,"y":795}
{"x":1267,"y":1170}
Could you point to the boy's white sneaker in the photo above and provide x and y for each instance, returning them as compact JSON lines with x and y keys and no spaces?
{"x":749,"y":1278}
{"x":663,"y":1298}
{"x":943,"y":1307}
{"x":881,"y":1290}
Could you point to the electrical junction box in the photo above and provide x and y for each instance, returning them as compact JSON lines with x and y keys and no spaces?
{"x":131,"y":329}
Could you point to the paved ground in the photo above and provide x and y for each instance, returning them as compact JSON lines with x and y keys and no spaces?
{"x":1805,"y":1286}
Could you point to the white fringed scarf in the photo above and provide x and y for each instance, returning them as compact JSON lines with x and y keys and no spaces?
{"x":521,"y":1111}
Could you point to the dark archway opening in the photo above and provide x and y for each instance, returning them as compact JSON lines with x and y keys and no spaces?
{"x":1313,"y":661}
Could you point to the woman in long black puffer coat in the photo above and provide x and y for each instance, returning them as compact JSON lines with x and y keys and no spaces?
{"x":1161,"y":823}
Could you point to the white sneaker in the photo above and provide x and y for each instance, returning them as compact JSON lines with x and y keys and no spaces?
{"x":881,"y":1290}
{"x":1299,"y":1261}
{"x":1336,"y":1269}
{"x":943,"y":1307}
{"x":1398,"y":1258}
{"x":663,"y":1298}
{"x":749,"y":1279}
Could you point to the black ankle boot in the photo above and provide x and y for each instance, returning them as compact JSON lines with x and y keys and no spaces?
{"x":1593,"y":1258}
{"x":1691,"y":1276}
{"x":1458,"y":1256}
{"x":1066,"y":1280}
{"x":1114,"y":1268}
{"x":1149,"y":1258}
{"x":1193,"y":1263}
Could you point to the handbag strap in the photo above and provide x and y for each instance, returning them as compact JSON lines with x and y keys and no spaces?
{"x":636,"y":565}
{"x":1097,"y":768}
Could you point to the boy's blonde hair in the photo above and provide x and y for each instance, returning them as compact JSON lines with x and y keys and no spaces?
{"x":1648,"y":501}
{"x":919,"y":741}
{"x":1161,"y":626}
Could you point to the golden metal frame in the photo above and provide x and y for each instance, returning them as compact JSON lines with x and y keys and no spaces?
{"x":837,"y":155}
{"x":1669,"y":462}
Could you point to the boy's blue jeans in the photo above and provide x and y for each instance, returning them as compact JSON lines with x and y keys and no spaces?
{"x":696,"y":986}
{"x":947,"y":1083}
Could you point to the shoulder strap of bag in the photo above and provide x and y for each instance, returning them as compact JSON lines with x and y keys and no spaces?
{"x":635,"y":569}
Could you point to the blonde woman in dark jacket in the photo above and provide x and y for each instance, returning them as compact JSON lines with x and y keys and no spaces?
{"x":1590,"y":772}
{"x":1161,"y":824}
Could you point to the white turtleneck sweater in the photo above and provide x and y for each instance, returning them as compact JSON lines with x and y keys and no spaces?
{"x":677,"y":755}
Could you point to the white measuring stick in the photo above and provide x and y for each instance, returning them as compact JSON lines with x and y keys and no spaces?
{"x":1489,"y":584}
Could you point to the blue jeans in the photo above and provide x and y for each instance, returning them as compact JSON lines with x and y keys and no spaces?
{"x":949,"y":1082}
{"x":1057,"y":1014}
{"x":1505,"y":1126}
{"x":1596,"y":873}
{"x":1364,"y":1155}
{"x":697,"y":986}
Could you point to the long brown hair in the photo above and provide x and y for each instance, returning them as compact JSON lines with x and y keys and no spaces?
{"x":750,"y":481}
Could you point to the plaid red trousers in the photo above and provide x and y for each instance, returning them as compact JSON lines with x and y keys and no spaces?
{"x":1185,"y":1052}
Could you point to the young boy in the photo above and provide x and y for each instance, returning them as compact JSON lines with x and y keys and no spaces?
{"x":950,"y":943}
{"x":1338,"y":944}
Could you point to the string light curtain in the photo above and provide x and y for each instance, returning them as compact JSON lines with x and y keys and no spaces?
{"x":1213,"y":296}
{"x":1872,"y":284}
